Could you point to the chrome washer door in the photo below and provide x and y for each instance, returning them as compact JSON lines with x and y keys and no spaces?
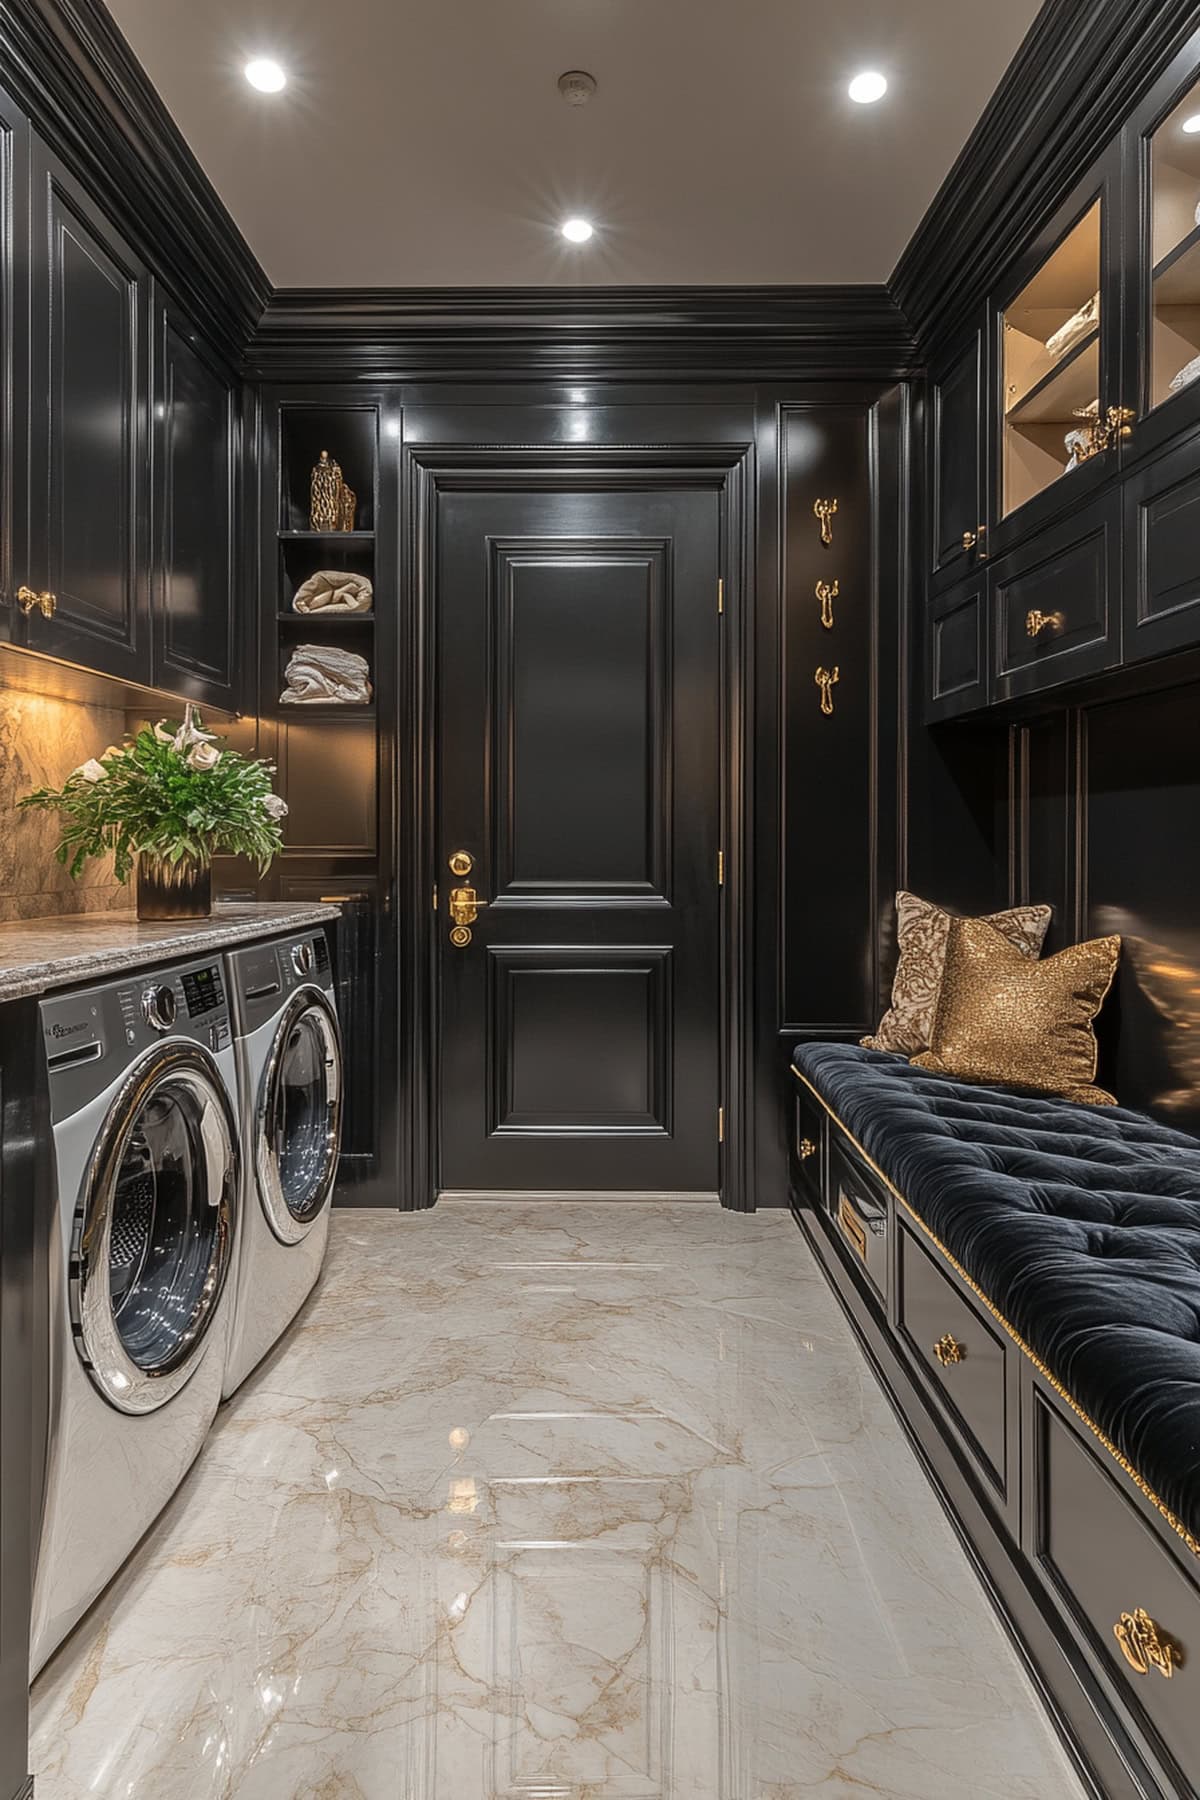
{"x":299,"y":1126}
{"x":154,"y":1228}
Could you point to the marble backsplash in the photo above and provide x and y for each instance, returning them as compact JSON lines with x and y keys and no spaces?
{"x":41,"y":741}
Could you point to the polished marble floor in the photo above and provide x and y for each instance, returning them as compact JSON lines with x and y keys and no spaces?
{"x":551,"y":1502}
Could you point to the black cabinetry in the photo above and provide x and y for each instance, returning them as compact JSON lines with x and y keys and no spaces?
{"x":958,"y":412}
{"x":118,"y":439}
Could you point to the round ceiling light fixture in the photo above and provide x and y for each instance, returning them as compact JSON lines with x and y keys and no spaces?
{"x":577,"y":87}
{"x":265,"y":74}
{"x":577,"y":231}
{"x":868,"y":87}
{"x":1192,"y":125}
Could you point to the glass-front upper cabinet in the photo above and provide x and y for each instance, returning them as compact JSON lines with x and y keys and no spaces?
{"x":1059,"y":360}
{"x":1164,"y":201}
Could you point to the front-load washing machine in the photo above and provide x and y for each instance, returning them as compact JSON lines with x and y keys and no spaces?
{"x":290,"y":1082}
{"x":143,"y":1096}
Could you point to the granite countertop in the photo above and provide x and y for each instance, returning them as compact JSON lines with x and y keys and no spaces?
{"x":37,"y":954}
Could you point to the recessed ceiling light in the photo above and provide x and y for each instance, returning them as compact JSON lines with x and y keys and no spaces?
{"x":868,"y":87}
{"x":265,"y":75}
{"x":1192,"y":124}
{"x":578,"y":231}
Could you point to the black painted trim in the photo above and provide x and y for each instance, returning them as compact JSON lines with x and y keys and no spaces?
{"x":605,"y":334}
{"x":1078,"y":75}
{"x":87,"y":95}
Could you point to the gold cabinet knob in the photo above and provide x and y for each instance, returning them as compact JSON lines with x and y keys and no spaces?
{"x":948,"y":1351}
{"x":1143,"y":1645}
{"x":805,"y":1149}
{"x":29,"y":600}
{"x":1036,"y":622}
{"x":970,"y":539}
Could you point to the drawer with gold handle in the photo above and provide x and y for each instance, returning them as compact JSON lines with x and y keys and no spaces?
{"x":1144,"y":1646}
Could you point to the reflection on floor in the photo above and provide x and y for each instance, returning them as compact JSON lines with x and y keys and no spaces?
{"x":560,"y":1502}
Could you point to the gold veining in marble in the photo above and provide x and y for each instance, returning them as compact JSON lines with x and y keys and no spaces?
{"x":557,"y":1502}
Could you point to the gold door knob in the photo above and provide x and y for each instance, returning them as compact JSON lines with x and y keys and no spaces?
{"x":464,"y":904}
{"x":44,"y":602}
{"x":1143,"y":1645}
{"x":1036,"y":622}
{"x":948,"y":1351}
{"x":805,"y":1149}
{"x":461,"y":863}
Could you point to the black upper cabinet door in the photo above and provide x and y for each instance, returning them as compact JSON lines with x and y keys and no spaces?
{"x":1162,"y":553}
{"x":959,"y":455}
{"x":89,"y":472}
{"x":1162,"y":258}
{"x":195,"y":629}
{"x":14,"y":364}
{"x":1055,"y":357}
{"x":956,"y":665}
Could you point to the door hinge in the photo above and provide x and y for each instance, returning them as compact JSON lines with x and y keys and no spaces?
{"x":720,"y":868}
{"x":721,"y":596}
{"x":720,"y":1124}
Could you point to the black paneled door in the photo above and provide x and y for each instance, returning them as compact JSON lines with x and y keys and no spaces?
{"x":579,"y":772}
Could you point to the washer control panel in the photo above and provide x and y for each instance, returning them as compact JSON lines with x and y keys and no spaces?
{"x":264,"y":976}
{"x":90,"y":1035}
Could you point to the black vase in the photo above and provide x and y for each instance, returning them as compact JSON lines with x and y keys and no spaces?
{"x":167,"y":890}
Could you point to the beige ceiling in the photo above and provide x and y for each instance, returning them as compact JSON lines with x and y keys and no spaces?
{"x":423,"y":142}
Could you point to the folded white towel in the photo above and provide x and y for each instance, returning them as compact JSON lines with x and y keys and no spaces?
{"x":319,"y":674}
{"x":332,"y":590}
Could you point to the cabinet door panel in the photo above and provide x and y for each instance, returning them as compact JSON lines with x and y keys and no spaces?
{"x":1162,"y":555}
{"x":14,"y":363}
{"x":956,"y":654}
{"x":958,"y":460}
{"x":89,"y":470}
{"x":195,"y":644}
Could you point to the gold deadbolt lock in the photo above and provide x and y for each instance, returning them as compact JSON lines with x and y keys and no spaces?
{"x":461,"y":863}
{"x":464,"y":904}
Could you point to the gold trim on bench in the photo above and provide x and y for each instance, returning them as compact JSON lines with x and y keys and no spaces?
{"x":1142,"y":1485}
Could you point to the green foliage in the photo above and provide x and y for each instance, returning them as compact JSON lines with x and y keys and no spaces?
{"x":170,"y":794}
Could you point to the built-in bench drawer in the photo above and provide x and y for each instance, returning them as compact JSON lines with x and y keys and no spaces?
{"x":808,"y":1147}
{"x":964,"y":1353}
{"x":862,"y":1212}
{"x":1118,"y":1583}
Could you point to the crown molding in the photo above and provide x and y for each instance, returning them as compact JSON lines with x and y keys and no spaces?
{"x":68,"y":66}
{"x":1078,"y":75}
{"x":608,"y":334}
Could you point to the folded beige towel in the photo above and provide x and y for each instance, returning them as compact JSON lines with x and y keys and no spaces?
{"x":332,"y":590}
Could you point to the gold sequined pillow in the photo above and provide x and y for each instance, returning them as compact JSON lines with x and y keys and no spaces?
{"x":922,"y":929}
{"x":1002,"y":1018}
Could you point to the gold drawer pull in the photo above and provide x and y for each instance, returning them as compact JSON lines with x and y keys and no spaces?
{"x":1143,"y":1646}
{"x":948,"y":1351}
{"x":1036,"y":622}
{"x":806,"y":1148}
{"x":970,"y":539}
{"x":850,"y":1225}
{"x":45,"y":602}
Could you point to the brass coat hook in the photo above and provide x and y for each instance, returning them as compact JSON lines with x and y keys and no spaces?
{"x":825,"y":680}
{"x":827,"y":593}
{"x":824,"y":510}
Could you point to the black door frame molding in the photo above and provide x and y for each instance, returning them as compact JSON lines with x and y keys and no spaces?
{"x":428,"y":471}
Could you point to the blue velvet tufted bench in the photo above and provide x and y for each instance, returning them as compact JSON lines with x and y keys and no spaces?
{"x":1060,"y":1245}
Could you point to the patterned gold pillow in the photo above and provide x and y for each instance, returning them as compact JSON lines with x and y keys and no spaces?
{"x":1002,"y":1018}
{"x":922,"y":929}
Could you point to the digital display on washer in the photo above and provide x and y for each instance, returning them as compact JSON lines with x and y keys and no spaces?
{"x":203,"y":991}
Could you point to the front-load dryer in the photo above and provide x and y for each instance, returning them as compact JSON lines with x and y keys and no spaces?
{"x":143,"y":1095}
{"x":290,"y":1082}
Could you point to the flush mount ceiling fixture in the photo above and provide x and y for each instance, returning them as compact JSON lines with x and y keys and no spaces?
{"x":577,"y":231}
{"x":265,"y":74}
{"x":1192,"y":125}
{"x":868,"y":87}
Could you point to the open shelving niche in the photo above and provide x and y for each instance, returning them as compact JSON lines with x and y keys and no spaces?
{"x":1175,"y":245}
